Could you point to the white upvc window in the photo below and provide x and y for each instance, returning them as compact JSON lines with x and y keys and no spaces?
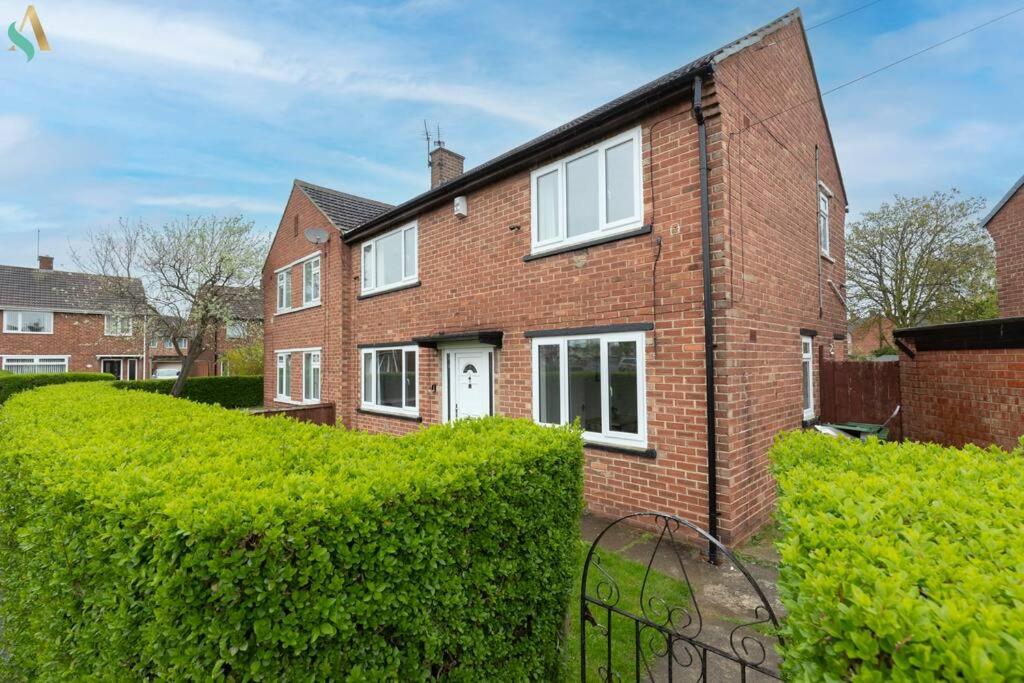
{"x":28,"y":322}
{"x":390,"y":260}
{"x":236,"y":330}
{"x":807,"y":375}
{"x":284,"y":377}
{"x":390,"y":379}
{"x":599,"y":379}
{"x":311,"y":377}
{"x":311,"y":282}
{"x":823,"y":232}
{"x":284,"y":290}
{"x":30,"y":365}
{"x":117,"y":325}
{"x":590,"y":195}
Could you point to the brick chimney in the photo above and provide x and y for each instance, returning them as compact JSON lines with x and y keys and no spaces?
{"x":45,"y":263}
{"x":444,"y":166}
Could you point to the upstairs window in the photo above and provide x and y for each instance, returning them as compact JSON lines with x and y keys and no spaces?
{"x":823,"y":234}
{"x":389,"y":380}
{"x":28,"y":322}
{"x":236,"y":330}
{"x":284,"y":290}
{"x":807,"y":372}
{"x":311,"y":282}
{"x":589,"y":195}
{"x":117,"y":325}
{"x":596,"y":378}
{"x":390,"y":261}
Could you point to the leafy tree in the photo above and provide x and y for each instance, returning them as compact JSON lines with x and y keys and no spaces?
{"x":194,"y":272}
{"x":246,"y":360}
{"x":921,"y":259}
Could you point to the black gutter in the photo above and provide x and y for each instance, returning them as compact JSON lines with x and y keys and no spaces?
{"x":709,"y":323}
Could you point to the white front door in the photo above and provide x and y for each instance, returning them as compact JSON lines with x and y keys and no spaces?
{"x":469,"y":383}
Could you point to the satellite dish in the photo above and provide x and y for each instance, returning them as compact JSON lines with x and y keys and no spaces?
{"x":316,"y":235}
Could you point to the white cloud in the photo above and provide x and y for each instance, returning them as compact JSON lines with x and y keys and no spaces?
{"x":14,"y":217}
{"x":15,"y":131}
{"x":211,"y":202}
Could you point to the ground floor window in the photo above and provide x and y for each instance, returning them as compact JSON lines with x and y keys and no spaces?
{"x":596,"y":378}
{"x":311,"y":376}
{"x":389,"y":379}
{"x":284,"y":376}
{"x":807,"y":371}
{"x":28,"y":365}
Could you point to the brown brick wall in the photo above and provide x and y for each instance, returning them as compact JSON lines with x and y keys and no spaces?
{"x":78,"y":335}
{"x":1007,"y":230}
{"x":958,"y":397}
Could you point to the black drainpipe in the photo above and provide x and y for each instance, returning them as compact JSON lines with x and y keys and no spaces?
{"x":709,"y":323}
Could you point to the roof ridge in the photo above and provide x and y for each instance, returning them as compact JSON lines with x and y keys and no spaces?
{"x":306,"y":183}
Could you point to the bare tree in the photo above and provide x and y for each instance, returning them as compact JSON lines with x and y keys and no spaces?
{"x":193,"y":270}
{"x":920,"y":259}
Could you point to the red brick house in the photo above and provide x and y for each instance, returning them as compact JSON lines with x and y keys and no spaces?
{"x":59,"y":321}
{"x":1006,"y":225}
{"x":665,"y":268}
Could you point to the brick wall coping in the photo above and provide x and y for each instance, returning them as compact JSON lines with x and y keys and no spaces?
{"x":998,"y":333}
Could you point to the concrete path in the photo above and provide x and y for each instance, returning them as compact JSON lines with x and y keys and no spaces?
{"x":725,"y":598}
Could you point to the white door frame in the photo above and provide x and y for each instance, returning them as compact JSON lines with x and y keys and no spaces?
{"x":446,"y":353}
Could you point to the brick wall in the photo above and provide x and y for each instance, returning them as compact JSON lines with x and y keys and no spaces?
{"x":958,"y":397}
{"x":1007,"y":230}
{"x":77,"y":335}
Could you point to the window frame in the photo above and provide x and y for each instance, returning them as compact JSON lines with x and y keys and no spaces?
{"x":284,"y":290}
{"x":18,"y":312}
{"x":35,"y":360}
{"x":238,"y":325}
{"x":120,"y":318}
{"x":604,"y":227}
{"x":824,"y":227}
{"x":283,"y":377}
{"x":316,"y":365}
{"x":807,"y":360}
{"x":368,"y":264}
{"x":372,"y":405}
{"x":606,"y":436}
{"x":313,"y":267}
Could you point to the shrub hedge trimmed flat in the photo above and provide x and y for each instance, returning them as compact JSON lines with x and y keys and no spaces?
{"x":11,"y":384}
{"x":229,"y":392}
{"x":142,"y":537}
{"x":900,"y":561}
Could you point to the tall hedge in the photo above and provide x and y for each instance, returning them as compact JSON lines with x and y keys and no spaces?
{"x":241,"y":391}
{"x":11,"y":384}
{"x":147,"y":537}
{"x":900,"y":561}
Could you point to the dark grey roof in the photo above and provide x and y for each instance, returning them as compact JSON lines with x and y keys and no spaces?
{"x":246,"y":303}
{"x":345,"y":211}
{"x":58,"y":290}
{"x":1002,"y":202}
{"x":514,"y":159}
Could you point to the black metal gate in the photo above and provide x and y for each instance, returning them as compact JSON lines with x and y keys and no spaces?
{"x":670,"y":638}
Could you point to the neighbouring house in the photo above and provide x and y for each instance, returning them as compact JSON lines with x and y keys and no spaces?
{"x":665,"y":268}
{"x":244,"y":327}
{"x":1006,"y":225}
{"x":870,"y":335}
{"x":60,"y":321}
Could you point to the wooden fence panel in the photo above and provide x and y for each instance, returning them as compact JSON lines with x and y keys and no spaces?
{"x":860,"y":391}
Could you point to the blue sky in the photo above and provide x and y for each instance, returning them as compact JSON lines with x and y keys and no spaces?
{"x":150,"y":111}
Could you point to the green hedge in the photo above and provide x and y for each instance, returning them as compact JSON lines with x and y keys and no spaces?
{"x":242,"y":391}
{"x":900,"y":561}
{"x":146,"y":537}
{"x":11,"y":384}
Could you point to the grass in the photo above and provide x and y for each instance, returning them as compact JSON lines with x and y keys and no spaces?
{"x":629,"y":576}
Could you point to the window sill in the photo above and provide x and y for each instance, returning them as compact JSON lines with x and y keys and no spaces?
{"x":825,"y":255}
{"x":285,"y":311}
{"x":24,"y":332}
{"x":387,"y":413}
{"x":379,"y":292}
{"x":636,"y":232}
{"x":639,"y":452}
{"x":287,"y":400}
{"x":809,"y":421}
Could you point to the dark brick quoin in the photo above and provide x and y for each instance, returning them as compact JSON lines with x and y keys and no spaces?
{"x":769,"y":280}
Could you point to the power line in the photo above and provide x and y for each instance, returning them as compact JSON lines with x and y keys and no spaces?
{"x":840,"y":16}
{"x":884,"y":68}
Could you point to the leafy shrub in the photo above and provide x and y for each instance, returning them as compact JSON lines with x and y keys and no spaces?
{"x":146,"y":537}
{"x":900,"y":561}
{"x":228,"y":392}
{"x":11,"y":384}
